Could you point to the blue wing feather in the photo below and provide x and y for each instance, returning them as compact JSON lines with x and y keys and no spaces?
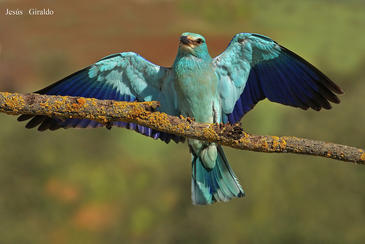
{"x":112,"y":78}
{"x":275,"y":73}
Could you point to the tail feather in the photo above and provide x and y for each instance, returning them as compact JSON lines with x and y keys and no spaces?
{"x":219,"y":184}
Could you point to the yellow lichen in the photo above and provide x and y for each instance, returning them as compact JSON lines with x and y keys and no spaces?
{"x":103,"y":119}
{"x":282,"y":143}
{"x":275,"y":141}
{"x":244,"y":140}
{"x":81,"y":100}
{"x":264,"y":145}
{"x":181,"y":127}
{"x":210,"y":133}
{"x":362,"y":157}
{"x":13,"y":101}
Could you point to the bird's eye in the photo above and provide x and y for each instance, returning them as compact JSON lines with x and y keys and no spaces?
{"x":199,"y":41}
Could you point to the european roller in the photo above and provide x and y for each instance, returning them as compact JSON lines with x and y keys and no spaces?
{"x":210,"y":90}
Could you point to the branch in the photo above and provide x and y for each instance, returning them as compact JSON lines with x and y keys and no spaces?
{"x":143,"y":113}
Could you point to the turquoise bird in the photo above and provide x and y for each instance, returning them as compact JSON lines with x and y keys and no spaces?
{"x":210,"y":90}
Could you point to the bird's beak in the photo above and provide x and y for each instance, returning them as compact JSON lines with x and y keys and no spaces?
{"x":186,"y":40}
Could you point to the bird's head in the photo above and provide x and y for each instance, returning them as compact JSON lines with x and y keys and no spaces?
{"x":193,"y":44}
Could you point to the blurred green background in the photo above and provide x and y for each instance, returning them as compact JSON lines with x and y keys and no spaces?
{"x":100,"y":186}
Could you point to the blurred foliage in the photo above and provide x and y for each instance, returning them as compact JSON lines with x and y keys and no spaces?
{"x":229,"y":11}
{"x":100,"y":186}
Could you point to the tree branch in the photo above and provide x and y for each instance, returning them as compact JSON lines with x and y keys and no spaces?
{"x":143,"y":113}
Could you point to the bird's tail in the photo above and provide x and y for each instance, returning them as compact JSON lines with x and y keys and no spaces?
{"x":216,"y":184}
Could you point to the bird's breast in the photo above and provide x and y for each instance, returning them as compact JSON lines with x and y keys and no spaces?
{"x":196,"y":87}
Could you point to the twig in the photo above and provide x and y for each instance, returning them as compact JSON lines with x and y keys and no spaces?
{"x":143,"y":113}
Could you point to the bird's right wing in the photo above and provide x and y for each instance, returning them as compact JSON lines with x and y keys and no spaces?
{"x":122,"y":77}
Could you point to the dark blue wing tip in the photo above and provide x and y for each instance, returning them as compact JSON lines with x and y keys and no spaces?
{"x":323,"y":78}
{"x":46,"y":89}
{"x":241,"y":194}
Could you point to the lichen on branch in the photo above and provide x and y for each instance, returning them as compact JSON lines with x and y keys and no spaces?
{"x":144,"y":113}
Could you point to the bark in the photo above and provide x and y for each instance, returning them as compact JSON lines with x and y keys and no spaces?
{"x":144,"y":113}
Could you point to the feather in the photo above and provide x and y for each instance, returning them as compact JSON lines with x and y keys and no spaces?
{"x":218,"y":184}
{"x":274,"y":72}
{"x":121,"y":77}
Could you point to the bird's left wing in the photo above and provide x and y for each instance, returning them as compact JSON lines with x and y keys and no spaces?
{"x":254,"y":67}
{"x":123,"y":77}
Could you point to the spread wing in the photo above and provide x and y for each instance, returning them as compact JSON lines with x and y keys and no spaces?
{"x":254,"y":67}
{"x":123,"y":77}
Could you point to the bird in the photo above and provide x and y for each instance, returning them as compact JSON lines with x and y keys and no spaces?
{"x":222,"y":89}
